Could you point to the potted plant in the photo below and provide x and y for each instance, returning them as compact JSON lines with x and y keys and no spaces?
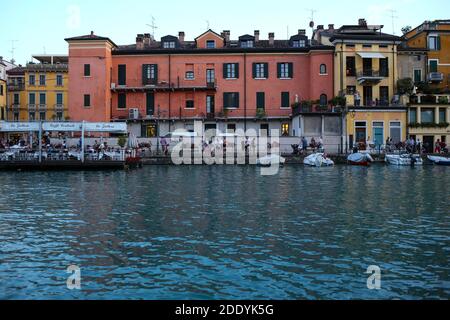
{"x":260,"y":113}
{"x":122,"y":141}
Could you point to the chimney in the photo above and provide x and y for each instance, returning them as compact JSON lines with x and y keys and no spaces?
{"x":92,"y":33}
{"x":320,"y":27}
{"x":302,"y":32}
{"x":271,"y":38}
{"x":140,"y":41}
{"x":181,"y":36}
{"x":362,"y":22}
{"x":227,"y":35}
{"x":256,"y":35}
{"x":147,"y":39}
{"x":331,"y":27}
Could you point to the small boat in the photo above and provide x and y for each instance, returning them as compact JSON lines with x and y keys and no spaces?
{"x":404,"y":159}
{"x":270,"y":160}
{"x":318,"y":160}
{"x":360,"y":159}
{"x":440,"y":161}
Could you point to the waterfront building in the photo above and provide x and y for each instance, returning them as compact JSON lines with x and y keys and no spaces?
{"x":429,"y":119}
{"x":434,"y":37}
{"x":160,"y":86}
{"x":4,"y":67}
{"x":39,"y":91}
{"x":365,"y":73}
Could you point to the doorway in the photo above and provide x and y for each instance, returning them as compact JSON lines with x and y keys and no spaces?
{"x":428,"y":143}
{"x":367,"y":92}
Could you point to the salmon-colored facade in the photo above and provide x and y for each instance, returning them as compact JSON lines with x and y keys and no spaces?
{"x":172,"y":82}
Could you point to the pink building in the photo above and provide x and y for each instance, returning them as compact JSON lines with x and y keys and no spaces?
{"x":227,"y":84}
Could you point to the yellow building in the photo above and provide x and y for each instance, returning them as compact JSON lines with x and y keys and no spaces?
{"x":429,"y":119}
{"x":365,"y":72}
{"x":433,"y":36}
{"x":38,"y":92}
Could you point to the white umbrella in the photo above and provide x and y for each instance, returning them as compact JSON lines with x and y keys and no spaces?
{"x":132,"y":141}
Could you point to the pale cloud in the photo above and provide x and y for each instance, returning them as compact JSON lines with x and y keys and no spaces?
{"x":73,"y":20}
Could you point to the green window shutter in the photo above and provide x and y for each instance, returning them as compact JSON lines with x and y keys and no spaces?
{"x":156,"y":73}
{"x":266,"y":70}
{"x":236,"y":104}
{"x":225,"y":100}
{"x":236,"y":65}
{"x":225,"y":70}
{"x":433,"y":66}
{"x":144,"y":74}
{"x":254,"y":70}
{"x":291,"y":70}
{"x":438,"y":43}
{"x":279,"y":70}
{"x":285,"y":99}
{"x":260,"y":100}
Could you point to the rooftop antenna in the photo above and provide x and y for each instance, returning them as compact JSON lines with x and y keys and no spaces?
{"x":311,"y":24}
{"x":393,"y":17}
{"x":207,"y":24}
{"x":12,"y":50}
{"x":153,"y":26}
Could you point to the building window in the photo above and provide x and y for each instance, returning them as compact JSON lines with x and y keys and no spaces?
{"x":42,"y":79}
{"x":367,"y":46}
{"x":122,"y":101}
{"x":351,"y":90}
{"x":413,"y":115}
{"x":427,"y":115}
{"x":247,"y":44}
{"x":149,"y":74}
{"x":42,"y":98}
{"x":231,"y":70}
{"x":169,"y":45}
{"x":299,"y":43}
{"x":260,"y":100}
{"x":59,"y":99}
{"x":59,"y":80}
{"x":434,"y":43}
{"x":433,"y":65}
{"x":285,"y":129}
{"x":122,"y":74}
{"x":360,"y":132}
{"x":190,"y":75}
{"x":190,"y":103}
{"x":87,"y":100}
{"x":210,"y":104}
{"x":87,"y":70}
{"x":417,"y":75}
{"x":32,"y":98}
{"x":16,"y":99}
{"x":384,"y":96}
{"x":32,"y":116}
{"x":210,"y":44}
{"x":42,"y":116}
{"x":442,"y":117}
{"x":384,"y":67}
{"x":231,"y":100}
{"x":260,"y":70}
{"x":31,"y":79}
{"x":395,"y":132}
{"x":350,"y":67}
{"x":285,"y":100}
{"x":323,"y":69}
{"x":285,"y":70}
{"x":323,"y":100}
{"x":59,"y":116}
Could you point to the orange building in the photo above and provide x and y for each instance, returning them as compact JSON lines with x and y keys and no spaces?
{"x":434,"y":37}
{"x":161,"y":86}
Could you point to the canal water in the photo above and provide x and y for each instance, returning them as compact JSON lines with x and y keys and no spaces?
{"x":226,"y":233}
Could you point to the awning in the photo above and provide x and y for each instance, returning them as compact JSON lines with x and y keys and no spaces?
{"x":371,"y":55}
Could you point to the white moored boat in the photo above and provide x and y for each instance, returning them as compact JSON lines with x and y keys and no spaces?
{"x":441,"y":161}
{"x":360,"y":159}
{"x":404,"y":159}
{"x":318,"y":160}
{"x":271,"y":159}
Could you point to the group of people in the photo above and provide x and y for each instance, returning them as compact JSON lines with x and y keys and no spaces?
{"x":313,"y":145}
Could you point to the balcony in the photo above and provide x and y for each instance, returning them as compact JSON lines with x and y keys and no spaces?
{"x":31,"y":108}
{"x":164,"y":86}
{"x":435,"y":77}
{"x":307,"y":108}
{"x":430,"y":99}
{"x":59,"y":107}
{"x":14,"y":108}
{"x":16,"y":86}
{"x":42,"y":107}
{"x":369,"y":77}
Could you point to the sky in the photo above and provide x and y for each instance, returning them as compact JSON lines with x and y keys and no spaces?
{"x":40,"y":26}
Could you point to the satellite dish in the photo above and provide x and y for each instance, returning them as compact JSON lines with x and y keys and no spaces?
{"x":311,"y":24}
